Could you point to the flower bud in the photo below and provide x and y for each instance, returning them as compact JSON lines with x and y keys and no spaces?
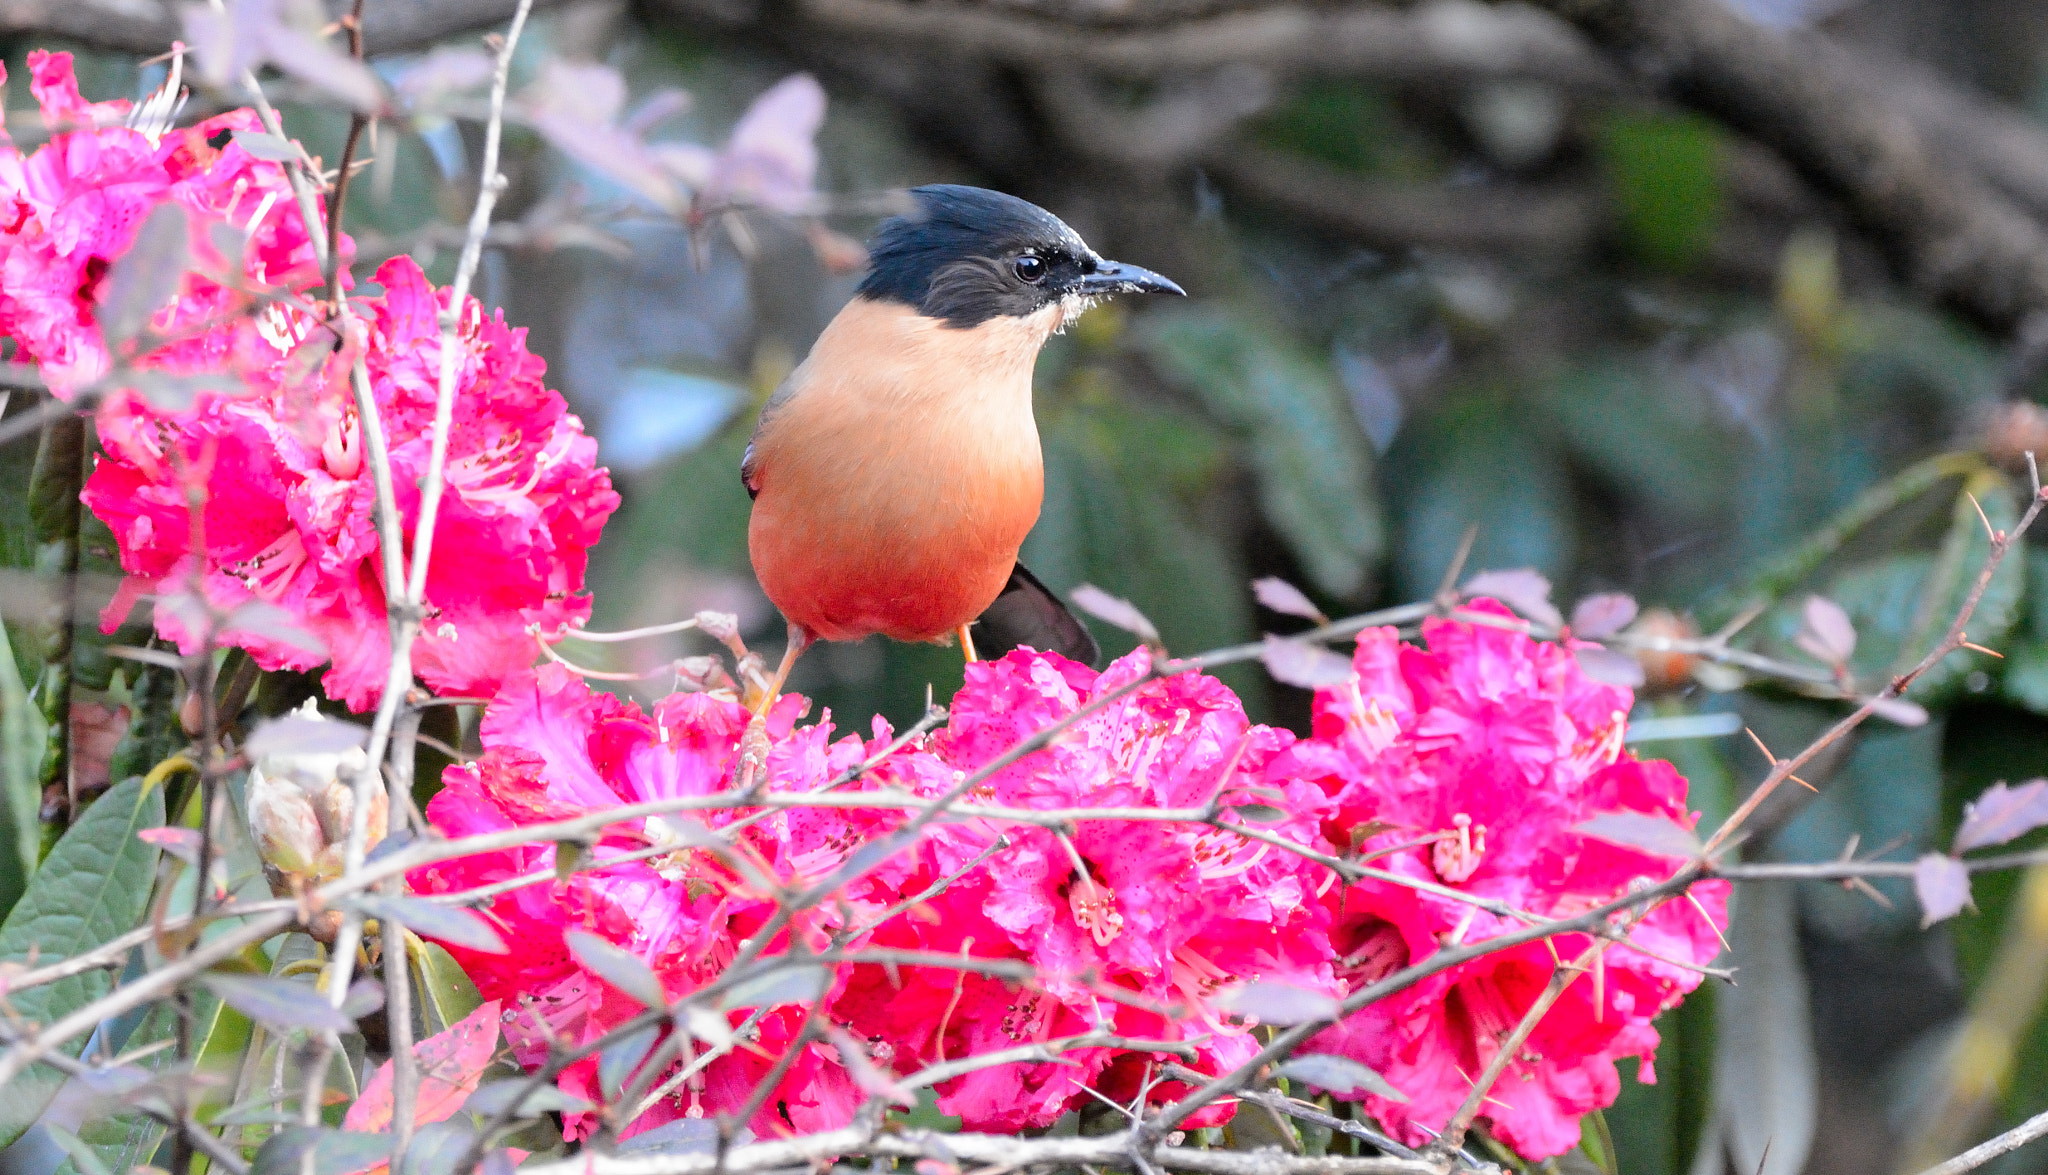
{"x":2014,"y":429}
{"x":288,"y":835}
{"x":1664,"y":670}
{"x":301,"y":804}
{"x":336,"y":806}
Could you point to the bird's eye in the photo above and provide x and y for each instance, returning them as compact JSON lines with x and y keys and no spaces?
{"x":1031,"y":268}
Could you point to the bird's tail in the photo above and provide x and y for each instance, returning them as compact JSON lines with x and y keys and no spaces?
{"x":1027,"y":613}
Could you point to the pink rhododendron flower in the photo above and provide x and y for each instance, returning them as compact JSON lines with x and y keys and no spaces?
{"x":1497,"y":746}
{"x":1130,"y":925}
{"x":73,"y":207}
{"x":289,"y":505}
{"x":554,"y":749}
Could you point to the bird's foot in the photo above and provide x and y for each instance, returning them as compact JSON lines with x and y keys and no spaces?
{"x":753,"y":761}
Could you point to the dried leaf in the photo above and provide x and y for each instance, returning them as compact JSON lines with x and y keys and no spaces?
{"x":1116,"y":611}
{"x":1304,"y":664}
{"x":1341,"y":1076}
{"x":267,"y":147}
{"x":499,"y":1097}
{"x":1943,"y":886}
{"x":334,"y":1152}
{"x":617,"y":1063}
{"x":279,"y":1003}
{"x":463,"y":928}
{"x":1609,"y":666}
{"x":576,"y":108}
{"x":1598,"y":617}
{"x":175,"y":391}
{"x":1899,"y":712}
{"x":437,"y":1147}
{"x":1269,"y":1002}
{"x":365,"y":996}
{"x":708,"y":1026}
{"x":2001,"y":814}
{"x":182,"y":843}
{"x":298,"y":734}
{"x":1524,"y":589}
{"x":448,"y":69}
{"x":315,"y":62}
{"x":1286,"y":599}
{"x":865,"y":1073}
{"x":624,"y":970}
{"x":783,"y":985}
{"x":684,"y":1136}
{"x":1657,"y":835}
{"x":1825,"y":632}
{"x":267,"y":621}
{"x":147,"y":276}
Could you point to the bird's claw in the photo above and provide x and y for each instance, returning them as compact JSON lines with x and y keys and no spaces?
{"x":753,"y":754}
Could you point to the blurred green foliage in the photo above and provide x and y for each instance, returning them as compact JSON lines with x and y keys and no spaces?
{"x":1665,"y":170}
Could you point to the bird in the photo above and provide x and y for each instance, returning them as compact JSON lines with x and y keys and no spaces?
{"x":896,"y":472}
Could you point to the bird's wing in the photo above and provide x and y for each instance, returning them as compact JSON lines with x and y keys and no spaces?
{"x":1027,"y":613}
{"x":750,"y":461}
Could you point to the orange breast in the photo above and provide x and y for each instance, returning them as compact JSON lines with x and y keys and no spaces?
{"x":898,"y":474}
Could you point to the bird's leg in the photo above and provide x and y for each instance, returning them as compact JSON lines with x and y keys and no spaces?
{"x":967,"y":643}
{"x":754,"y":743}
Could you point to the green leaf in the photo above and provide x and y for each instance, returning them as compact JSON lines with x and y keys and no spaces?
{"x":2026,"y":676}
{"x":1313,"y":465}
{"x":446,"y":993}
{"x":21,"y":755}
{"x":1596,"y":1142}
{"x":84,"y":1159}
{"x":153,"y":734}
{"x":54,"y":506}
{"x":94,"y":886}
{"x":2025,"y":682}
{"x":1665,"y":172}
{"x":1785,"y":572}
{"x":1646,"y":434}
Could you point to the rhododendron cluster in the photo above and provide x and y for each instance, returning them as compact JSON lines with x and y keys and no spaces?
{"x":289,"y":501}
{"x":1480,"y":754}
{"x":1496,"y":746}
{"x":74,"y":206}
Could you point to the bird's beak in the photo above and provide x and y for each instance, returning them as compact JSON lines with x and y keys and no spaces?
{"x":1114,"y":277}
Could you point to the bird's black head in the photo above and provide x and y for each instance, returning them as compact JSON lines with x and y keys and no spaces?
{"x":968,"y":255}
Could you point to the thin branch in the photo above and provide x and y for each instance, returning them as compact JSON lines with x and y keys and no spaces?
{"x":1992,"y":1148}
{"x":1897,"y":687}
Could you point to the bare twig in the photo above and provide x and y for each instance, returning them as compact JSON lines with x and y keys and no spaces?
{"x":1950,"y":642}
{"x":1992,"y":1148}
